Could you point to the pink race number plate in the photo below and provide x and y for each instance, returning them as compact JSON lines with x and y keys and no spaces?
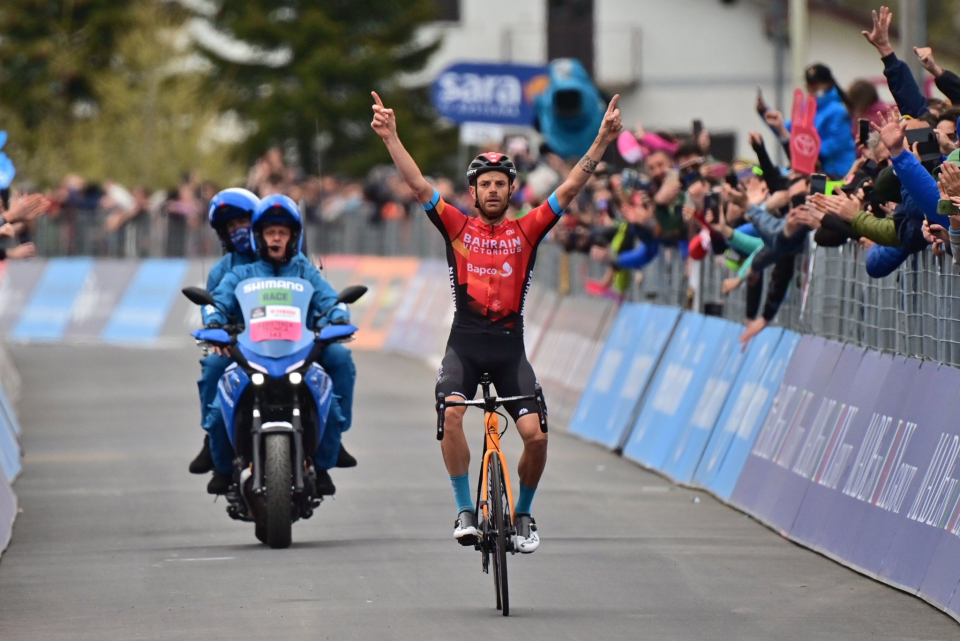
{"x":277,"y":323}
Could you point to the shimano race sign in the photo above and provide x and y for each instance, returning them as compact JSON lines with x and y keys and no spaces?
{"x":494,"y":93}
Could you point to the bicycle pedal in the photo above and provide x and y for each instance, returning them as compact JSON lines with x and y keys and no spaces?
{"x":468,"y":540}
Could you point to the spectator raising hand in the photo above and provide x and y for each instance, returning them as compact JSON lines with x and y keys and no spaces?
{"x":26,"y":208}
{"x":757,"y":193}
{"x":949,"y":180}
{"x":892,"y":131}
{"x":24,"y":250}
{"x":925,"y":54}
{"x":879,"y":36}
{"x":844,"y":206}
{"x":775,"y":120}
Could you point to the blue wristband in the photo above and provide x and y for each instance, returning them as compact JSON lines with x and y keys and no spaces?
{"x":432,"y":203}
{"x":554,"y":203}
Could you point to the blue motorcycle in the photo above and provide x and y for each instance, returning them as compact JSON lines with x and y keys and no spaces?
{"x":275,"y":399}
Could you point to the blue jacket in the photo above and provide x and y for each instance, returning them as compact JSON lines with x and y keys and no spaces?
{"x":324,"y":296}
{"x":883,"y":261}
{"x":221,"y":269}
{"x":770,"y":229}
{"x":922,"y":188}
{"x":904,"y":87}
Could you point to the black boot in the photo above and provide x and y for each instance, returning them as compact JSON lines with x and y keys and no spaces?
{"x":220,"y":483}
{"x":325,"y":486}
{"x":344,"y":459}
{"x":203,"y":462}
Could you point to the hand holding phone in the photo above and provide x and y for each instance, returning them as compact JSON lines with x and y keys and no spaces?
{"x":818,"y":184}
{"x":864,"y":131}
{"x":762,"y":106}
{"x":926,"y":141}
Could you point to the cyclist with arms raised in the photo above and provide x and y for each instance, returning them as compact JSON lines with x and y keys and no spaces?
{"x":490,"y":262}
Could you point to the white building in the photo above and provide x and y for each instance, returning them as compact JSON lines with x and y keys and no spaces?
{"x":672,"y":61}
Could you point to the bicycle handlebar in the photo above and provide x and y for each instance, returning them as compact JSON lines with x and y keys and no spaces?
{"x":491,"y":404}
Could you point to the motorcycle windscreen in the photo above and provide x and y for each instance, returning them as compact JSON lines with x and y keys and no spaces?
{"x":275,"y":315}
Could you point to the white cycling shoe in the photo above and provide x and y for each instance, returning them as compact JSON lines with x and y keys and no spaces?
{"x":465,"y":528}
{"x":527,"y":540}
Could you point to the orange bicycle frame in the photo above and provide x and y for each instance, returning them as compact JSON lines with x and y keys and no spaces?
{"x":492,"y":425}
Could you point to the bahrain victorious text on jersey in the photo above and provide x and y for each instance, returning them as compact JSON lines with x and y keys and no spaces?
{"x":490,"y":266}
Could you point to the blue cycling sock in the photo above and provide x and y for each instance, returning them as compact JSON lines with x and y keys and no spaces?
{"x":461,"y":492}
{"x":526,"y":498}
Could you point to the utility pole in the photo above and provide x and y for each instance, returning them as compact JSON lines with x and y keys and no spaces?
{"x":913,"y":33}
{"x":800,"y":40}
{"x":779,"y":52}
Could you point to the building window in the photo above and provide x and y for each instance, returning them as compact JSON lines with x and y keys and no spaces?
{"x":570,"y":31}
{"x":448,"y":10}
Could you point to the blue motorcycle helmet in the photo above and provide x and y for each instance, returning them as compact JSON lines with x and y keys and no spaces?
{"x":228,"y":204}
{"x":282,"y":210}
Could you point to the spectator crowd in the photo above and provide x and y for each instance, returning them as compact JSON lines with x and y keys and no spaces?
{"x":886,"y":178}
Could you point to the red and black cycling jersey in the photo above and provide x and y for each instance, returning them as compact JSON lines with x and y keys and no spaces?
{"x":490,"y":266}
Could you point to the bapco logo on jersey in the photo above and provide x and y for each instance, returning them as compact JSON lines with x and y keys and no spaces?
{"x":490,"y":271}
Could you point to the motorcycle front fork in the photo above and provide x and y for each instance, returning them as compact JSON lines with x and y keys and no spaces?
{"x":256,"y":434}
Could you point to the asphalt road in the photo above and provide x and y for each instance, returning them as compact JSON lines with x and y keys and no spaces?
{"x":117,"y":540}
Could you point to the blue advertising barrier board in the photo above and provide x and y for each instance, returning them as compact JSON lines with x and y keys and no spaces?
{"x":764,"y":473}
{"x":849,"y":413}
{"x":676,"y":388}
{"x":8,"y":510}
{"x":9,"y":451}
{"x":754,"y":364}
{"x":882,"y":477}
{"x":745,"y":427}
{"x":632,"y":350}
{"x":691,"y":441}
{"x":141,"y":313}
{"x":855,"y":487}
{"x":6,"y":412}
{"x":500,"y":93}
{"x":47,"y":314}
{"x":909,"y":477}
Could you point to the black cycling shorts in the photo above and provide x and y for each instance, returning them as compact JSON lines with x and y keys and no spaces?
{"x":504,"y":358}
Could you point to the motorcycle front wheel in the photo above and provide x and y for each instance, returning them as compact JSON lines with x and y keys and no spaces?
{"x":278,"y":479}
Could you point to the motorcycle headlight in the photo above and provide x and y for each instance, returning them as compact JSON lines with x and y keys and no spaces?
{"x":295,"y":378}
{"x":256,"y":378}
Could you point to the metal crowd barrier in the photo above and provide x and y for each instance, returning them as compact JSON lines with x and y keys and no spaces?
{"x":915,"y":311}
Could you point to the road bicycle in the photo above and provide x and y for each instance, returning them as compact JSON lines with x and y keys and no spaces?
{"x":494,"y":510}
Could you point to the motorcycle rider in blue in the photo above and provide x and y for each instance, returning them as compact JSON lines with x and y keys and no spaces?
{"x":277,"y":238}
{"x":230,"y":214}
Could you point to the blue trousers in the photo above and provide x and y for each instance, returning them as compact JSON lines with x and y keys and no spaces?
{"x":338,"y":363}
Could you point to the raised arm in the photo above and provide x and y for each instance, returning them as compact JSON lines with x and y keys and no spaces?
{"x":902,"y":84}
{"x":609,"y":130}
{"x":385,"y":124}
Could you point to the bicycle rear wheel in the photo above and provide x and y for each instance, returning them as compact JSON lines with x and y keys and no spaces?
{"x":501,"y":523}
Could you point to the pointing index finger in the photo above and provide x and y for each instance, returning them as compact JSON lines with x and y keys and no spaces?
{"x":613,"y":104}
{"x":377,"y":98}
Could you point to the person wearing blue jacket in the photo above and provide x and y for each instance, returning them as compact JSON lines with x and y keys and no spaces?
{"x":919,"y":194}
{"x":838,"y":151}
{"x":277,"y":231}
{"x":229,"y":214}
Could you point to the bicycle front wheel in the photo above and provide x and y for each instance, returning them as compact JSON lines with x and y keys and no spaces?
{"x":499,"y":508}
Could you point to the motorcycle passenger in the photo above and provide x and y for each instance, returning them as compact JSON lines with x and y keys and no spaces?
{"x":277,"y":239}
{"x":230,"y":213}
